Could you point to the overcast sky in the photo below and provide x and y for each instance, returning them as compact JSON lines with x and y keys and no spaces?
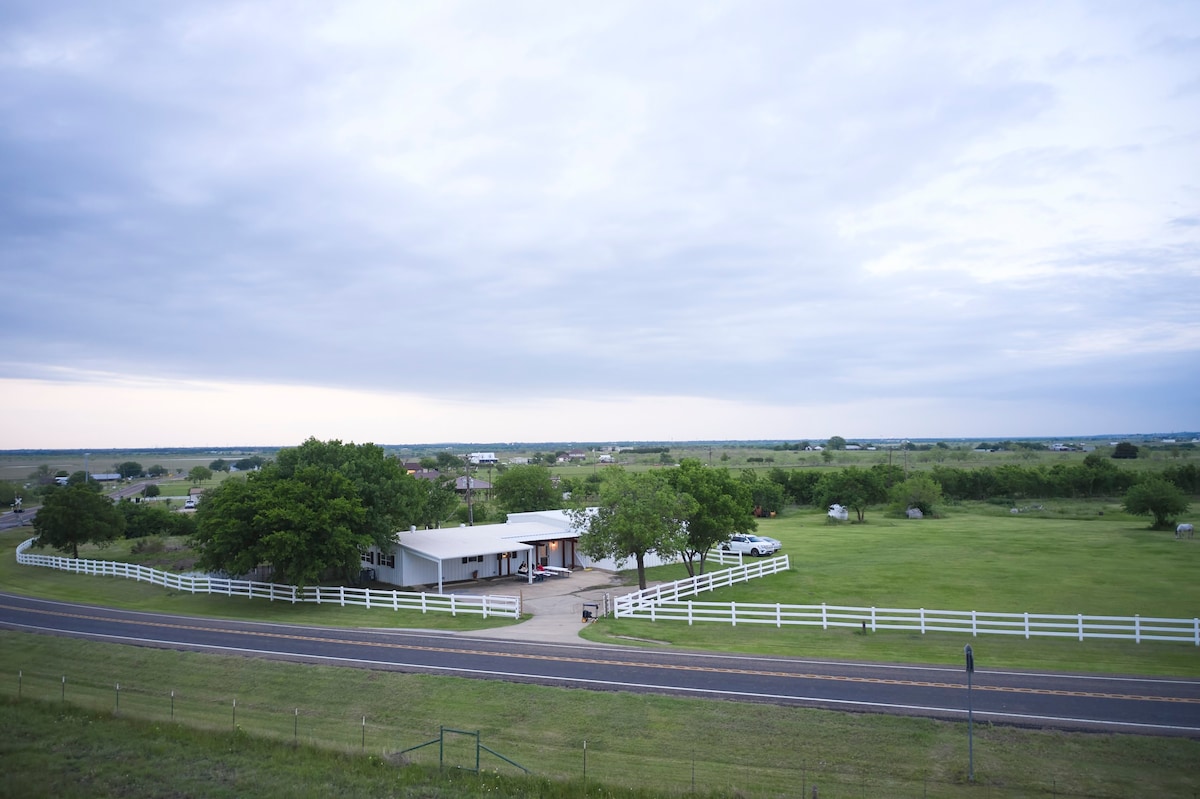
{"x":229,"y":223}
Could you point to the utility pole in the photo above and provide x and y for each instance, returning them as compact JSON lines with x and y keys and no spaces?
{"x":470,"y":507}
{"x":970,"y":716}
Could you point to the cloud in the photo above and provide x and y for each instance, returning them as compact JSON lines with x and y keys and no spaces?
{"x":770,"y":205}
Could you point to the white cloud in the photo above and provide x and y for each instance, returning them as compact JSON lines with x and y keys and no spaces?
{"x":742,"y":208}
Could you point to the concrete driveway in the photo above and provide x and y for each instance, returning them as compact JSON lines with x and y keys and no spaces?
{"x":555,"y":604}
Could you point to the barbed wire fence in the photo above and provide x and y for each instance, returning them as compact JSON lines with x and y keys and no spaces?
{"x":602,"y":759}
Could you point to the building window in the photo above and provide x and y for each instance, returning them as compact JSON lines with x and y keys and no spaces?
{"x":473,"y":559}
{"x":369,"y":556}
{"x":387,"y":560}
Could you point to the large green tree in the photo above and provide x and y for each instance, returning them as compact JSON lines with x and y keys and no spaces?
{"x":526,"y":488}
{"x":723,"y":505}
{"x":313,"y":510}
{"x":391,"y":496}
{"x":1156,"y":497}
{"x":638,"y":514}
{"x":198,"y":474}
{"x":919,"y":491}
{"x":853,"y":487}
{"x":129,"y":469}
{"x":76,"y":515}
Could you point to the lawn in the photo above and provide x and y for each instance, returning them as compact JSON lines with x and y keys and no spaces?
{"x":661,"y":745}
{"x":1065,"y":559}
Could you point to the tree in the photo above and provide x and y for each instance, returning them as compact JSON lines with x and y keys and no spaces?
{"x":1157,"y":497}
{"x":853,"y":487}
{"x":315,"y":509}
{"x":129,"y":469}
{"x":723,"y":507}
{"x":249,"y":464}
{"x":157,"y":470}
{"x":766,"y":495}
{"x":439,"y":501}
{"x":198,"y":474}
{"x":219,"y":465}
{"x":1125,"y":450}
{"x":151,"y":490}
{"x":146,"y":519}
{"x":638,"y":514}
{"x":76,"y":515}
{"x":919,"y":491}
{"x":526,"y":488}
{"x":449,"y":462}
{"x":391,"y":496}
{"x":836,"y":442}
{"x":301,"y":525}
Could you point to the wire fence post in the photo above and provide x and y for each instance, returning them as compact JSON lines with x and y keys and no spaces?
{"x":364,"y":734}
{"x":20,"y":679}
{"x":172,"y":705}
{"x":296,"y":728}
{"x":64,"y":688}
{"x":235,"y":715}
{"x":118,"y":705}
{"x":585,"y":767}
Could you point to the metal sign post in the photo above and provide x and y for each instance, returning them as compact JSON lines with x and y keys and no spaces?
{"x":970,"y":716}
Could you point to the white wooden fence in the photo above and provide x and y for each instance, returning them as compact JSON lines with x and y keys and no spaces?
{"x":629,"y":603}
{"x":1136,"y":628}
{"x":665,"y":603}
{"x":487,"y":605}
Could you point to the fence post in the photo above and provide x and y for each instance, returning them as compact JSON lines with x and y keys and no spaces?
{"x":872,"y":618}
{"x":824,"y":618}
{"x":922,"y":621}
{"x":1196,"y":628}
{"x":690,"y":620}
{"x":342,"y":595}
{"x":395,"y":600}
{"x":733,"y":613}
{"x":1080,"y":626}
{"x":1026,"y":625}
{"x":1137,"y":629}
{"x":453,"y":610}
{"x":974,"y":625}
{"x":778,"y":615}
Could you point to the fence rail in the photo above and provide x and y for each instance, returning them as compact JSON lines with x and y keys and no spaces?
{"x":485,"y":605}
{"x":629,"y":603}
{"x":666,"y":602}
{"x":1030,"y":625}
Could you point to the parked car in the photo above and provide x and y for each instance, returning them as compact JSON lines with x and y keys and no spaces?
{"x":748,"y":545}
{"x":769,"y":540}
{"x":189,"y":504}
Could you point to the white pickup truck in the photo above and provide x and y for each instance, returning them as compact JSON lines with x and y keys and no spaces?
{"x":749,"y":545}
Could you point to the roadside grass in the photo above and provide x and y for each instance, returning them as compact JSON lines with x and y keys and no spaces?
{"x":133,"y":595}
{"x":298,"y":730}
{"x":1067,"y":559}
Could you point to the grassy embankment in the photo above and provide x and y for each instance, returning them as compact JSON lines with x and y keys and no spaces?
{"x":661,"y":745}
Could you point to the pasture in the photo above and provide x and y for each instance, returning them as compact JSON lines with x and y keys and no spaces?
{"x":1065,"y":559}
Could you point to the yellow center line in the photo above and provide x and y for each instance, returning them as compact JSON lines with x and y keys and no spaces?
{"x":604,"y":662}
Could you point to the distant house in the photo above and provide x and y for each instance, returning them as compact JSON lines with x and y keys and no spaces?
{"x":484,"y":458}
{"x":576,"y":455}
{"x":106,"y":477}
{"x":426,"y":474}
{"x":461,"y":485}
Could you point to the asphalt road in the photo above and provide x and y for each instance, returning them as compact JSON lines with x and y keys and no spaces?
{"x":1119,"y":704}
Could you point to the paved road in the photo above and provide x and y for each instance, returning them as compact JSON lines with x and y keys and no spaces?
{"x":1151,"y":706}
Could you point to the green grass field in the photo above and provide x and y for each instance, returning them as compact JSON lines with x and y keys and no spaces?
{"x":660,"y":745}
{"x":1067,"y":558}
